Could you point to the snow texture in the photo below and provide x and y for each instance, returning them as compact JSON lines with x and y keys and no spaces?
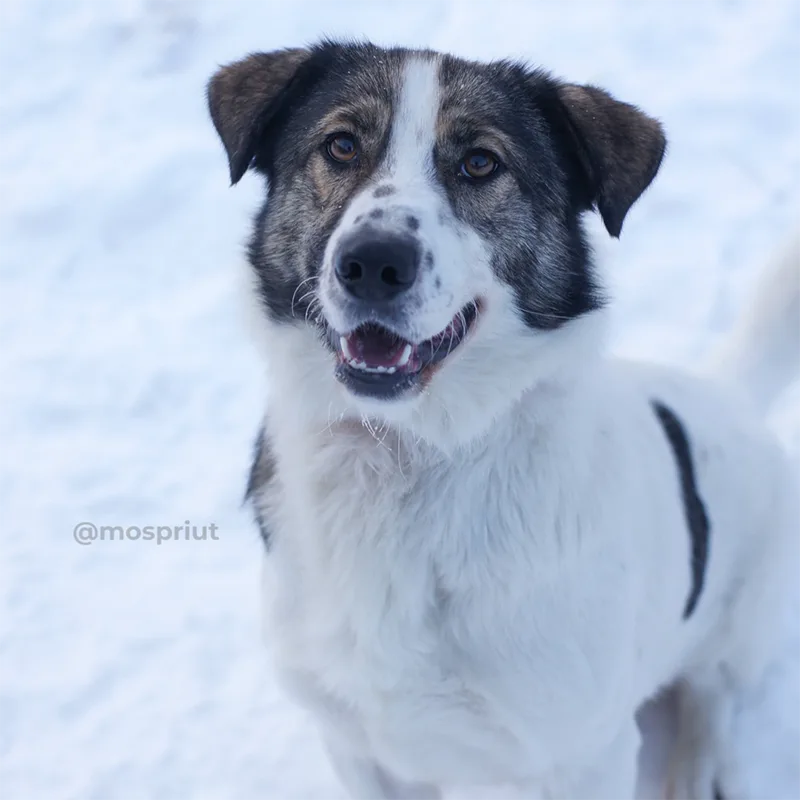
{"x":130,"y":393}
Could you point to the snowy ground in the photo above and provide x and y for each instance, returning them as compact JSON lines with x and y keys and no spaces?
{"x":129,"y":393}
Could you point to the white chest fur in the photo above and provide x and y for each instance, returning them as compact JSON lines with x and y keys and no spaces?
{"x":452,"y":614}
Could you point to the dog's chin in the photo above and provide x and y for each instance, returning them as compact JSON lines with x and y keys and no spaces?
{"x":376,"y":362}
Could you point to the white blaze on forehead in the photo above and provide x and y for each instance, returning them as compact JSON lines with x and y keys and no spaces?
{"x":413,"y":136}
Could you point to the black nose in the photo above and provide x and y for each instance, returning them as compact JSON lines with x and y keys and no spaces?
{"x":377,"y":268}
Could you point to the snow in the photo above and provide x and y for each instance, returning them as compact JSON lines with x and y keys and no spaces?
{"x":130,"y":392}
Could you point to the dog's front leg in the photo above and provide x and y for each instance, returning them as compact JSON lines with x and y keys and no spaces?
{"x":610,"y":776}
{"x":365,"y":779}
{"x":705,"y":712}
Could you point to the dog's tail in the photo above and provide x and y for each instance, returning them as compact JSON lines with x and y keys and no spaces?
{"x":762,"y":353}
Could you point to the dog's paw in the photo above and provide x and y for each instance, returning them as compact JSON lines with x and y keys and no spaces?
{"x":693,"y":773}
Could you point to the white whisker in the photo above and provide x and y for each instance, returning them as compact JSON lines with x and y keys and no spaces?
{"x":297,"y":289}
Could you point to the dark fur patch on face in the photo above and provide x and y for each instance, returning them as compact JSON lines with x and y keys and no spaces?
{"x":342,"y":88}
{"x":525,"y":209}
{"x":383,"y":191}
{"x":558,"y":158}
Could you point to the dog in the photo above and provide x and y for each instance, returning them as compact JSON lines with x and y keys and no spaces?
{"x":487,"y":541}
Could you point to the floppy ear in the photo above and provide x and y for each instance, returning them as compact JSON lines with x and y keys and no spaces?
{"x":618,"y":147}
{"x":245,"y":96}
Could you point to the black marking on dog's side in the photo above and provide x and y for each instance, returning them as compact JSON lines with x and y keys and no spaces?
{"x":696,"y":516}
{"x":262,"y":472}
{"x":383,"y":191}
{"x":412,"y":222}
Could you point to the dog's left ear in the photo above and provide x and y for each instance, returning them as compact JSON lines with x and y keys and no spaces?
{"x":244,"y":97}
{"x":618,"y":149}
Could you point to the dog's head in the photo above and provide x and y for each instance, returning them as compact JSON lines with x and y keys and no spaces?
{"x":419,"y":258}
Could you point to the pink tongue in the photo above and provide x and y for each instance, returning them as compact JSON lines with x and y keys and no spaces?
{"x":375,"y":346}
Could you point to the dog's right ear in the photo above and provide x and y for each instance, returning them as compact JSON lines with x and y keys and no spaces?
{"x":244,"y":97}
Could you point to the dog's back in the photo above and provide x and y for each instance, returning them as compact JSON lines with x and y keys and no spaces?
{"x":762,"y":354}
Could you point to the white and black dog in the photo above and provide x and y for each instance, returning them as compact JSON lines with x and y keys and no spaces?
{"x":487,"y":542}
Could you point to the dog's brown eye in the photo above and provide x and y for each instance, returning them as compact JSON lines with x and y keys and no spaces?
{"x":342,"y":147}
{"x":478,"y":164}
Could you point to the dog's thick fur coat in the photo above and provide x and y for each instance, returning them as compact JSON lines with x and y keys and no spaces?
{"x":479,"y":570}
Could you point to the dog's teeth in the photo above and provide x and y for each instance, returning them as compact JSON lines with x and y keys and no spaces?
{"x":345,"y":349}
{"x":405,"y":356}
{"x":361,"y":365}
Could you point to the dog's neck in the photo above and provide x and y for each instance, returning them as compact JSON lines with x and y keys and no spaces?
{"x":387,"y":448}
{"x":542,"y":380}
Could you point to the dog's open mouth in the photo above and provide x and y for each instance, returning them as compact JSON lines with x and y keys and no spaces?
{"x":376,"y":362}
